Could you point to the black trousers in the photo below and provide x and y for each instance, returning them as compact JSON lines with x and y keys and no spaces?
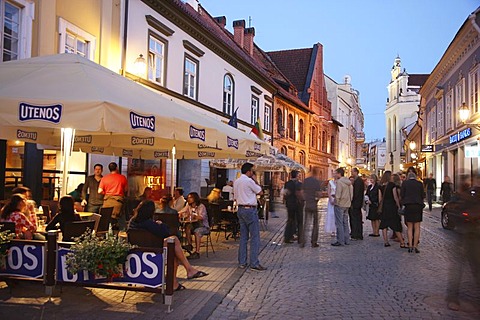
{"x":294,"y":223}
{"x":356,"y":223}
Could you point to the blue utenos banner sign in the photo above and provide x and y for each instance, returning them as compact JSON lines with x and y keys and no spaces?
{"x":27,"y":112}
{"x":196,"y":133}
{"x":143,"y":268}
{"x":138,"y":121}
{"x":25,"y":260}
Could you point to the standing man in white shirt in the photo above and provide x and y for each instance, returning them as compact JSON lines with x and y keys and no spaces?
{"x":246,"y":190}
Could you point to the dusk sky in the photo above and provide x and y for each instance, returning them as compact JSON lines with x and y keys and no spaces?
{"x":360,"y":38}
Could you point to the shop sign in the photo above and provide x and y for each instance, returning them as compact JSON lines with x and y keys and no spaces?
{"x":472,"y":151}
{"x":25,"y":260}
{"x":142,"y":268}
{"x":427,"y":148}
{"x":138,"y":121}
{"x":461,"y":135}
{"x":47,"y":113}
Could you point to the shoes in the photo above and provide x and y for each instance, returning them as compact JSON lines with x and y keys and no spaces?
{"x":315,"y":245}
{"x":417,"y":251}
{"x":287,"y":241}
{"x":387,"y":244}
{"x":243,"y":266}
{"x":410,"y":250}
{"x":336,"y":244}
{"x":373,"y":235}
{"x":258,"y":268}
{"x":194,"y":255}
{"x":403,"y":246}
{"x":453,"y":306}
{"x":295,"y":238}
{"x":180,"y":288}
{"x":199,"y":274}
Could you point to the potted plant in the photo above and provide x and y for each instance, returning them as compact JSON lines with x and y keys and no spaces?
{"x":102,"y":257}
{"x":5,"y":238}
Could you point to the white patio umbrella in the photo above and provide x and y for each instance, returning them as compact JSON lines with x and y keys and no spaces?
{"x":42,"y":95}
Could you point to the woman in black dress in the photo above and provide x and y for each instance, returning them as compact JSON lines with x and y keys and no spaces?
{"x":390,"y":217}
{"x":446,"y":190}
{"x":373,"y":200}
{"x":412,"y":195}
{"x":65,"y":214}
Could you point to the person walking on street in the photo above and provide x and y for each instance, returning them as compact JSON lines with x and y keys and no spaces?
{"x":390,"y":217}
{"x":430,"y":186}
{"x":343,"y":201}
{"x":446,"y":190}
{"x":372,"y":198}
{"x":412,"y":195}
{"x":114,"y":186}
{"x":91,"y":198}
{"x":357,"y":203}
{"x":294,"y":203}
{"x":246,"y":190}
{"x":330,"y":218}
{"x":311,"y":192}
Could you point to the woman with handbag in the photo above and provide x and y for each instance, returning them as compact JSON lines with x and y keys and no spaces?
{"x":390,"y":217}
{"x":372,"y":199}
{"x":412,"y":195}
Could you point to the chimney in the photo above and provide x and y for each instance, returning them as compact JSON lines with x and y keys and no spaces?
{"x":238,"y":31}
{"x":222,"y":21}
{"x":249,"y":35}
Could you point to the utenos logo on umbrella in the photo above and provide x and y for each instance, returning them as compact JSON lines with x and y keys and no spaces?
{"x":27,"y":135}
{"x":47,"y":113}
{"x":232,"y":143}
{"x":138,"y":121}
{"x":196,"y":133}
{"x":83,"y":139}
{"x":161,"y":154}
{"x":150,"y":141}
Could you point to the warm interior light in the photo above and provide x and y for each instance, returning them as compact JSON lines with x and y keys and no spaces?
{"x":140,"y":65}
{"x":464,"y":112}
{"x":413,"y":145}
{"x":414,"y":155}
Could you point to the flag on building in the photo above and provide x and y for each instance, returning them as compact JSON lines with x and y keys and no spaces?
{"x":257,"y":129}
{"x":233,"y":120}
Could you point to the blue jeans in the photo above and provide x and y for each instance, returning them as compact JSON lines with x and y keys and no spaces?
{"x":341,"y":222}
{"x":249,"y":228}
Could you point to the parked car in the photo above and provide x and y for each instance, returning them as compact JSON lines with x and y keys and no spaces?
{"x":462,"y":211}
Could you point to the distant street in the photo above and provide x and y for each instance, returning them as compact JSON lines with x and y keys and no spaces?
{"x":362,"y":281}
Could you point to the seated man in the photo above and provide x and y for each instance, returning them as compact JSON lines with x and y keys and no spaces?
{"x":197,"y":214}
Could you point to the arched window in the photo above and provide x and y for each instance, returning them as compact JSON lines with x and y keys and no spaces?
{"x":313,"y":137}
{"x":332,"y":146}
{"x":301,"y":131}
{"x":228,"y":87}
{"x":302,"y":158}
{"x":283,"y":150}
{"x":291,"y":132}
{"x":279,"y":121}
{"x":324,"y":141}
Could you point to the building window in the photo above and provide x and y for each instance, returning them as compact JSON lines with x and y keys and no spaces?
{"x":254,"y":110}
{"x":332,"y":146}
{"x":301,"y":155}
{"x":190,"y":78}
{"x":324,"y":141}
{"x":283,"y":150}
{"x":228,"y":87}
{"x":448,"y":111}
{"x":156,"y":59}
{"x":474,"y":84}
{"x":440,"y":125}
{"x":279,"y":120}
{"x":389,"y":132}
{"x":313,"y":137}
{"x":11,"y":31}
{"x":459,"y":96}
{"x":266,"y":117}
{"x":291,"y":129}
{"x":394,"y":136}
{"x":75,"y":40}
{"x":301,"y":131}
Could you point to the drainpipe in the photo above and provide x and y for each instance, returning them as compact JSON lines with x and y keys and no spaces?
{"x":472,"y":18}
{"x":124,"y":45}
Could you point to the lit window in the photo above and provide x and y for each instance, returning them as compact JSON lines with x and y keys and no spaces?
{"x":228,"y":94}
{"x":266,"y":117}
{"x":190,"y":78}
{"x":11,"y":31}
{"x":254,"y":110}
{"x":75,"y":40}
{"x":156,"y":60}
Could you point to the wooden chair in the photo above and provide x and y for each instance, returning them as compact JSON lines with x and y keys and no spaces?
{"x":76,"y":229}
{"x":144,"y":238}
{"x":105,"y":219}
{"x":7,"y":226}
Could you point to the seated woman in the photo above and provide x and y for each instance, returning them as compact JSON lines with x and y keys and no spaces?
{"x":13,"y":212}
{"x":199,"y":225}
{"x":65,"y":214}
{"x":165,"y":205}
{"x":143,"y":219}
{"x":147,"y":194}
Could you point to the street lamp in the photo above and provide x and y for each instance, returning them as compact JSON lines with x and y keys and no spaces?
{"x":140,"y":65}
{"x":464,"y":113}
{"x":413,"y":145}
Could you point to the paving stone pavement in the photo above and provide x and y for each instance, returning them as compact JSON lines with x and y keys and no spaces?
{"x":363,"y":280}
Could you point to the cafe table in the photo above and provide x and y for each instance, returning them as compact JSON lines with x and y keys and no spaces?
{"x":231,"y":216}
{"x":85,"y":214}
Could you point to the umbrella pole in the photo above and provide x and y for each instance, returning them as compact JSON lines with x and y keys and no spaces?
{"x":172,"y":184}
{"x":68,"y":135}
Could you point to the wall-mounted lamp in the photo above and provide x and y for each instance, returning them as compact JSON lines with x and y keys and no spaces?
{"x":464,"y":114}
{"x":413,"y":145}
{"x":140,"y":65}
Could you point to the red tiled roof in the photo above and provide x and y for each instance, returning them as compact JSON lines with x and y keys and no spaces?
{"x":294,"y":64}
{"x":417,"y":79}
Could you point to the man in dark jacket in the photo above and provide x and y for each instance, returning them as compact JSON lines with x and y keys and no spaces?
{"x":294,"y":202}
{"x":357,"y":203}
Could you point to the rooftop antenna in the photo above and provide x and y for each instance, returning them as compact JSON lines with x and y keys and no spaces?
{"x":249,"y":21}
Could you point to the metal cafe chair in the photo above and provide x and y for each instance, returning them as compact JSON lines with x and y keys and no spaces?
{"x":105,"y":219}
{"x":76,"y":229}
{"x":7,"y":226}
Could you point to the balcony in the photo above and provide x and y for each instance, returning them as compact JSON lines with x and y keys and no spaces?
{"x":360,"y":137}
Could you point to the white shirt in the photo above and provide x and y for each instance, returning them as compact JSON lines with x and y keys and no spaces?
{"x":228,"y":189}
{"x":246,"y":190}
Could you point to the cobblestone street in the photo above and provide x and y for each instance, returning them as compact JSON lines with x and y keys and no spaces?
{"x":362,"y":281}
